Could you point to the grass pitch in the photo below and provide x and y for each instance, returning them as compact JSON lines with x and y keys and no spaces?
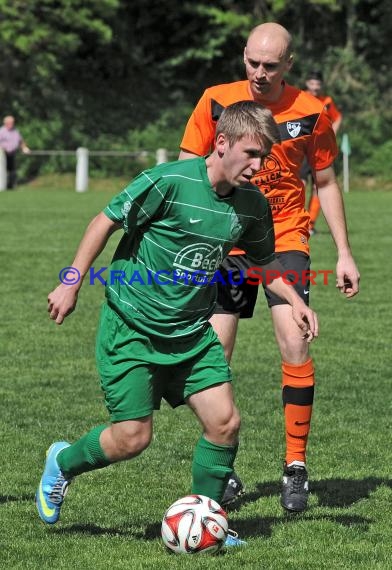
{"x":111,"y":518}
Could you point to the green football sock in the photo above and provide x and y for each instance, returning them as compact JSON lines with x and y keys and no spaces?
{"x":211,"y":468}
{"x":84,"y":455}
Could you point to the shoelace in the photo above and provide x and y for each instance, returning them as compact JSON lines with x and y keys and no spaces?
{"x":233,"y":540}
{"x":232,"y":533}
{"x":59,"y":490}
{"x":298,"y":480}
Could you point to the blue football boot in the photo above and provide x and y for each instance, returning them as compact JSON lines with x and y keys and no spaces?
{"x":52,"y":487}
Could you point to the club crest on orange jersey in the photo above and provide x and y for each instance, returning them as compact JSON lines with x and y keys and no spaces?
{"x":293,"y":129}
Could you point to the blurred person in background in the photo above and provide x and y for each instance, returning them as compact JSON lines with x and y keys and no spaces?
{"x":314,"y":86}
{"x":11,"y":141}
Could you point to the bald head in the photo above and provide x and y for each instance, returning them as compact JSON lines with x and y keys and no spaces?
{"x":267,"y":57}
{"x":271,"y":36}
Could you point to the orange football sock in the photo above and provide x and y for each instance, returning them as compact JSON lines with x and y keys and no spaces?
{"x":314,"y":209}
{"x":297,"y":392}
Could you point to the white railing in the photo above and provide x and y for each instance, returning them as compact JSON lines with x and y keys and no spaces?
{"x":161,"y":155}
{"x":82,"y":161}
{"x":3,"y":170}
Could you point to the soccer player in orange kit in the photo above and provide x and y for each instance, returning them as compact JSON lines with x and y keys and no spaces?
{"x":306,"y":132}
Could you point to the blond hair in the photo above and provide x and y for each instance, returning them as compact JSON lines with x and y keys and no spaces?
{"x":248,"y":118}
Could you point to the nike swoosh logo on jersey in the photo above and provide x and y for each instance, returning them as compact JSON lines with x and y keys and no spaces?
{"x":194,"y":221}
{"x":306,"y":291}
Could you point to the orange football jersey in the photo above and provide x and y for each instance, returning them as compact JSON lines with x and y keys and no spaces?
{"x":330,"y":108}
{"x":305,"y":131}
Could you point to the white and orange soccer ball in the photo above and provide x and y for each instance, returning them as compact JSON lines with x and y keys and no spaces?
{"x":194,"y":524}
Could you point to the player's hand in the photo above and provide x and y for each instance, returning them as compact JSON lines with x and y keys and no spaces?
{"x":347,"y":276}
{"x":307,"y":321}
{"x":62,"y":302}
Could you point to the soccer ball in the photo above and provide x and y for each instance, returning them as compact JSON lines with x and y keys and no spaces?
{"x":194,"y":524}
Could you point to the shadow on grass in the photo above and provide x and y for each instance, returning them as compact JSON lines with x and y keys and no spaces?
{"x":260,"y":526}
{"x":151,"y":532}
{"x":333,"y":493}
{"x":345,"y":492}
{"x":246,"y":528}
{"x":263,"y":526}
{"x":330,"y":492}
{"x":95,"y":530}
{"x":4,"y":499}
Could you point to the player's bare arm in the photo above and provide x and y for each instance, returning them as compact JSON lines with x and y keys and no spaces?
{"x":62,"y":301}
{"x":336,"y":124}
{"x":331,"y":200}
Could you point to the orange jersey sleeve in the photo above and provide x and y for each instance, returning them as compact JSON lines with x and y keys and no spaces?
{"x":199,"y":132}
{"x":330,"y":108}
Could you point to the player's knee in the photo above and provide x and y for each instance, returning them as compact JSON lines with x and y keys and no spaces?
{"x":131,"y":444}
{"x":295,"y":350}
{"x":227,"y":428}
{"x":142,"y":442}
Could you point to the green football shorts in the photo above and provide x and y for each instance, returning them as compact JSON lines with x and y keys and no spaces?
{"x":137,"y":371}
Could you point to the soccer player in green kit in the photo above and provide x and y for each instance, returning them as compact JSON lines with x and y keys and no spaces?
{"x":154,"y":340}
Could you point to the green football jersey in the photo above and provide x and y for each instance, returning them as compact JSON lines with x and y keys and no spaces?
{"x":162,"y":279}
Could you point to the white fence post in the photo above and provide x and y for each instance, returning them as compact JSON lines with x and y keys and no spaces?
{"x":346,"y":150}
{"x":161,"y":156}
{"x":3,"y":170}
{"x":81,"y":183}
